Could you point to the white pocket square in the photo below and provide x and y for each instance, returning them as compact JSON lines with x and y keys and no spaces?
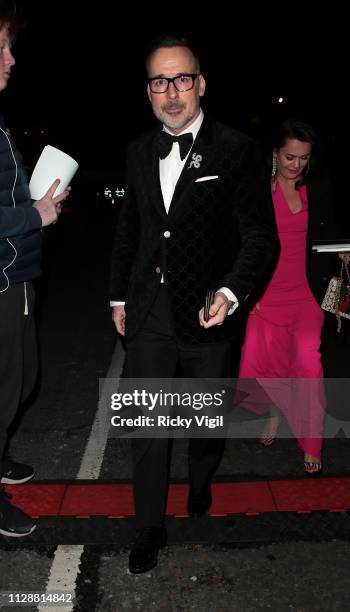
{"x":206,"y":178}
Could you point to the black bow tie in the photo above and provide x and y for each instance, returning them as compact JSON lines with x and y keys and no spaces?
{"x":166,"y":141}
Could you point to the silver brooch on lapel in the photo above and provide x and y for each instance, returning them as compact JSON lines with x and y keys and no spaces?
{"x":196,"y":161}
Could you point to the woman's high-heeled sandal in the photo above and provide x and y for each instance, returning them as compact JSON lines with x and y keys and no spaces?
{"x":312,"y":467}
{"x":267,"y":440}
{"x":271,"y":428}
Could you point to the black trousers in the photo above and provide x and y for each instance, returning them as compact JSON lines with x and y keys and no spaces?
{"x":156,"y":353}
{"x":18,"y":354}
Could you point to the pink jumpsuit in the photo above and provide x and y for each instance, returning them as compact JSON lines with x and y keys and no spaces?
{"x":283,"y":336}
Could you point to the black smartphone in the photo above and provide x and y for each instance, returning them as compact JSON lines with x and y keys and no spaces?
{"x":209,"y":298}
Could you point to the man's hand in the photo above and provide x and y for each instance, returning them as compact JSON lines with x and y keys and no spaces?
{"x":217,"y":312}
{"x":49,"y":207}
{"x":118,"y":316}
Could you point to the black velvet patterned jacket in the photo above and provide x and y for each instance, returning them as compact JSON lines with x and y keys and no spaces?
{"x":218,"y":232}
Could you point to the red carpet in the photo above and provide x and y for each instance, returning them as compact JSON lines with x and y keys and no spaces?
{"x":115,"y":500}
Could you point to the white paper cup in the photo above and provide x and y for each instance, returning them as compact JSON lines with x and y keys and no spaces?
{"x":52,"y":164}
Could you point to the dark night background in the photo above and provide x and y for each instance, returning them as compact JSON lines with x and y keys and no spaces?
{"x":80,"y":73}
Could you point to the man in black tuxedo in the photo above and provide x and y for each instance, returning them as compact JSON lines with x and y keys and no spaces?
{"x":196,"y":215}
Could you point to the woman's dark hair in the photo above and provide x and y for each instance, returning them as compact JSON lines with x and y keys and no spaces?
{"x":294,"y":129}
{"x":9,"y":16}
{"x":169,"y":41}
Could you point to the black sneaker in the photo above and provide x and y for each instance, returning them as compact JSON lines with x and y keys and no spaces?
{"x":15,"y":473}
{"x":13,"y":521}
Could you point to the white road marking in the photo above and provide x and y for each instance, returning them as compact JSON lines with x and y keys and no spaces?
{"x":63,"y":575}
{"x":66,"y":562}
{"x":90,"y":466}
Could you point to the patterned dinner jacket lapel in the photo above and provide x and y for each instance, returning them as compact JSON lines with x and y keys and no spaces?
{"x":203,"y":147}
{"x":150,"y":171}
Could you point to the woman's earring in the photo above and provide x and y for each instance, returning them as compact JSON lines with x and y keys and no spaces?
{"x":274,"y":166}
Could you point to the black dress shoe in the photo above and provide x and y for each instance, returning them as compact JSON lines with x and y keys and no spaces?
{"x":199,"y":502}
{"x":144,"y":553}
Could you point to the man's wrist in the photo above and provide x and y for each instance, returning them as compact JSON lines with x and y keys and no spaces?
{"x":231,"y":298}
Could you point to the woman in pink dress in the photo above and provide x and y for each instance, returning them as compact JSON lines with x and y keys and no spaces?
{"x":283,"y":336}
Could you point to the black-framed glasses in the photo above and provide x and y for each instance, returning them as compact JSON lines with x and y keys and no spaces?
{"x":182,"y":82}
